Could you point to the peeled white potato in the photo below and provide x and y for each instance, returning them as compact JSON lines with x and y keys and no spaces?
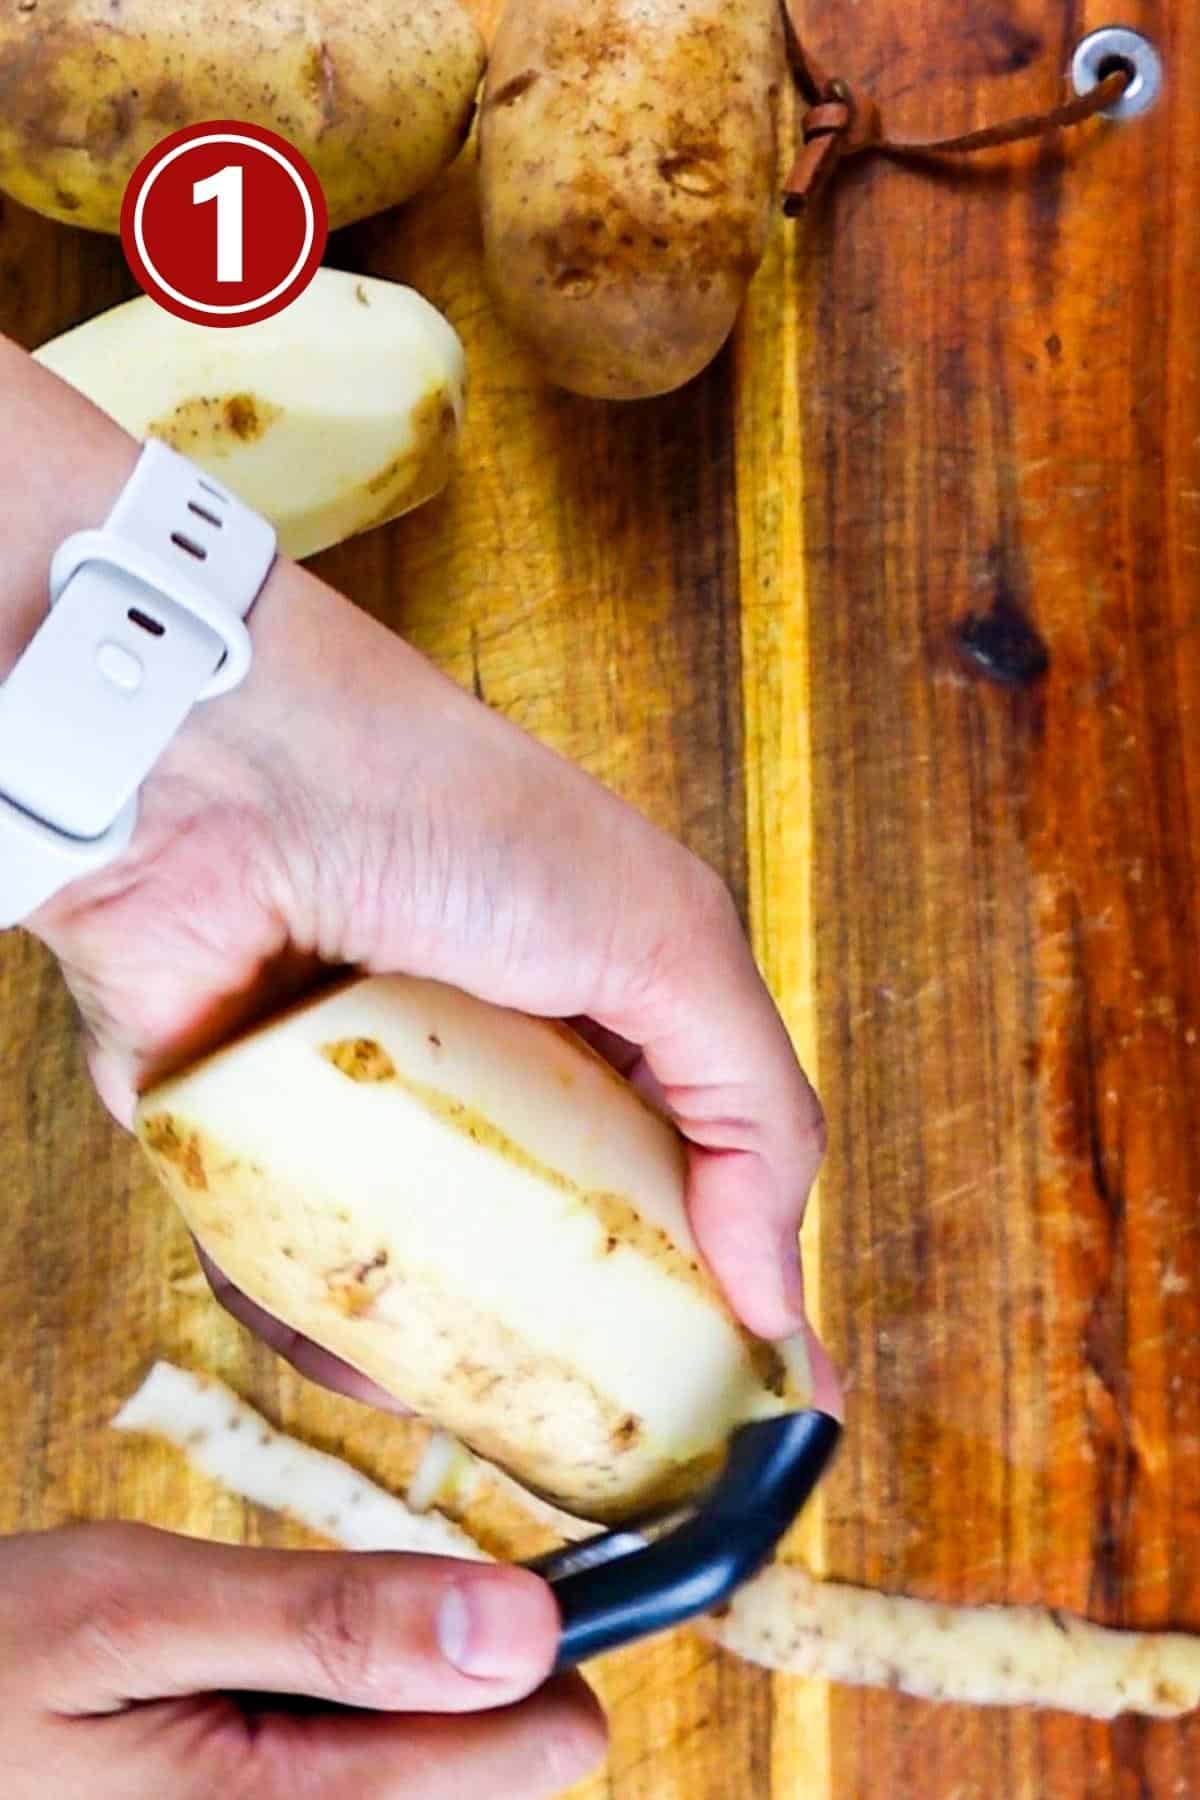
{"x":338,"y":414}
{"x":475,"y":1211}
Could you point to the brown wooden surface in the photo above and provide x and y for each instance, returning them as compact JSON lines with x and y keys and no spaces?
{"x":978,"y":907}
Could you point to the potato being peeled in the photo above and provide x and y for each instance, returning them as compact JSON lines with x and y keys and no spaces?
{"x":340,"y":413}
{"x":474,"y":1210}
{"x":378,"y":97}
{"x":628,"y":172}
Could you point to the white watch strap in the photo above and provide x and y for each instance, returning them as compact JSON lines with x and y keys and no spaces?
{"x":145,"y":620}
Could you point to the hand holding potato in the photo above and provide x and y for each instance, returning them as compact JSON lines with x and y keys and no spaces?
{"x":349,"y":804}
{"x":135,"y":1665}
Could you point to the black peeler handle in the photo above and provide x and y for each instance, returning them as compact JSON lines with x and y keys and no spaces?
{"x":640,"y":1588}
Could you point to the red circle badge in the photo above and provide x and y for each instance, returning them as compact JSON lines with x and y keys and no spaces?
{"x":224,"y":223}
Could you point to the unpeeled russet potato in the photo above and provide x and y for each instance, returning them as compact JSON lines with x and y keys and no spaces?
{"x":339,"y":413}
{"x":476,"y":1212}
{"x":628,"y":161}
{"x":378,"y":97}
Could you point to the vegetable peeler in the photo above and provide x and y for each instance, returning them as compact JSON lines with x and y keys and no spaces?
{"x":657,"y":1571}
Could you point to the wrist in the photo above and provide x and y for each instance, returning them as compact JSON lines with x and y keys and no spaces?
{"x":76,"y":472}
{"x":280,"y":749}
{"x":77,"y":461}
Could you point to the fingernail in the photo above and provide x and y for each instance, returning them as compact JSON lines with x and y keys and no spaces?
{"x":826,"y":1385}
{"x":454,"y":1629}
{"x":495,"y":1629}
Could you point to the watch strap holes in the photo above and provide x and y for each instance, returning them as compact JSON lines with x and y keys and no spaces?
{"x":202,"y":512}
{"x":189,"y":545}
{"x":137,"y":617}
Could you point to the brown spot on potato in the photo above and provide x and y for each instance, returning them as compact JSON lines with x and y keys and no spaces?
{"x":243,"y":418}
{"x":576,"y":283}
{"x":355,"y":1287}
{"x":769,"y":1366}
{"x":318,"y":74}
{"x":689,"y":173}
{"x":168,"y":104}
{"x":386,"y":477}
{"x":422,"y":471}
{"x":514,"y":89}
{"x":360,"y":1059}
{"x":619,"y":1220}
{"x":360,"y":294}
{"x":172,"y":1143}
{"x":215,"y":424}
{"x":69,"y":202}
{"x":488,"y":1135}
{"x":108,"y":126}
{"x":628,"y":1433}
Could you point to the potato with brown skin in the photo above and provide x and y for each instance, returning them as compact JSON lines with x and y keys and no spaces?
{"x":628,"y":161}
{"x":379,"y":98}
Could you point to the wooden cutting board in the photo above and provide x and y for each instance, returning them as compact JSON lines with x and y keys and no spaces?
{"x":949,"y":395}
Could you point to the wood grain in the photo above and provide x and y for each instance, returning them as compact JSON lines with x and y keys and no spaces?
{"x":976,"y":906}
{"x":1003,"y":407}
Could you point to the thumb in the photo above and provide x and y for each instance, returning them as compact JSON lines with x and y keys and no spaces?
{"x":146,"y":1615}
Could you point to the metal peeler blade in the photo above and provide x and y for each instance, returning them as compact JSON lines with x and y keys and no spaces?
{"x":658,"y":1571}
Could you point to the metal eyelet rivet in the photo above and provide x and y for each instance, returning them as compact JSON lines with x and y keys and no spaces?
{"x":1116,"y":47}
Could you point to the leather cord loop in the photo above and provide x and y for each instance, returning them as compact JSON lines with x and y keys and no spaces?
{"x":838,"y":123}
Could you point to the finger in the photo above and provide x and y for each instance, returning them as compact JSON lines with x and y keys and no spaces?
{"x":717,"y":1047}
{"x":145,"y":1615}
{"x":194,"y":1749}
{"x":529,"y":1752}
{"x":309,"y":1359}
{"x":187,"y":1001}
{"x":626,"y":1058}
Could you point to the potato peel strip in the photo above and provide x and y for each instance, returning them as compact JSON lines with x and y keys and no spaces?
{"x":983,"y":1655}
{"x":227,"y":1440}
{"x":784,"y":1619}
